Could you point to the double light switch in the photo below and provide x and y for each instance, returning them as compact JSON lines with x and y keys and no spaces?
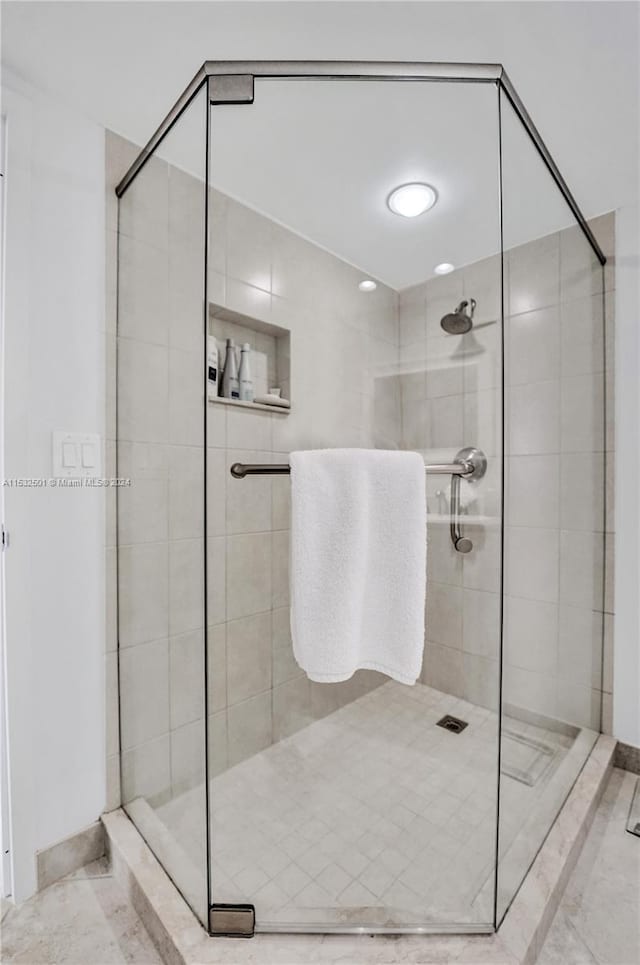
{"x":76,"y":455}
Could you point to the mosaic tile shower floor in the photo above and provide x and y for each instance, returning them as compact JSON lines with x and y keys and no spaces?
{"x":372,"y":814}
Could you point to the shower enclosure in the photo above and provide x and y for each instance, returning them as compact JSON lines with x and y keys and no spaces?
{"x":254,"y":213}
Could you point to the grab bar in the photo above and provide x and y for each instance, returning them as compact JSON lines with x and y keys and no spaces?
{"x":470,"y":464}
{"x":462,"y":544}
{"x":467,"y":467}
{"x":476,"y":458}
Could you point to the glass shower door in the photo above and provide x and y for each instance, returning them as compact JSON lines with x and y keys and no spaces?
{"x":160,"y":435}
{"x":345,"y":806}
{"x":555,"y":606}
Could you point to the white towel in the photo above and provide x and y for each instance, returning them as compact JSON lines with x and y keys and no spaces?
{"x":270,"y":399}
{"x":358,"y":562}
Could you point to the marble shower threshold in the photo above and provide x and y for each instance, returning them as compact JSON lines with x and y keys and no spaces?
{"x":181,"y":940}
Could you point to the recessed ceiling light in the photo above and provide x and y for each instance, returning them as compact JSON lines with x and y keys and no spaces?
{"x":444,"y":268}
{"x":367,"y":285}
{"x":410,"y":200}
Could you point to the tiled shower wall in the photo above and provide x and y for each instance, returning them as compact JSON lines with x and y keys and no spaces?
{"x":555,"y":532}
{"x":344,"y":343}
{"x":451,"y":400}
{"x":346,"y":391}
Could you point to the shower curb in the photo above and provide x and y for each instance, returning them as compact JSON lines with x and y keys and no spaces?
{"x":181,"y":940}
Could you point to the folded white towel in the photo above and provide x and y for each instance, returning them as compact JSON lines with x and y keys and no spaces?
{"x":270,"y":399}
{"x":358,"y":562}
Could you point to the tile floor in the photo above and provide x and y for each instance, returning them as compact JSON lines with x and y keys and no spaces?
{"x":85,"y":918}
{"x":372,"y":815}
{"x":598,"y":921}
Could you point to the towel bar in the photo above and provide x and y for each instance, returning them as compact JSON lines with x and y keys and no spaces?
{"x":469,"y":463}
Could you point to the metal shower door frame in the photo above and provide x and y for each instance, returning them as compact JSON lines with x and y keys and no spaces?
{"x":233,"y":82}
{"x":234,"y":75}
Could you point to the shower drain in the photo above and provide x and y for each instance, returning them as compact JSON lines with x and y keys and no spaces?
{"x":453,"y":724}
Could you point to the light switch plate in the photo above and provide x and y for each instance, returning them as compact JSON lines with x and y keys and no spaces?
{"x":76,"y":455}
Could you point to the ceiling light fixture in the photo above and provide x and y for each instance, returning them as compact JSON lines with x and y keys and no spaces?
{"x":444,"y":268}
{"x":367,"y":285}
{"x":411,"y":200}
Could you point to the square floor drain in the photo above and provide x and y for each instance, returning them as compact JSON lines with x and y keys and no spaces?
{"x":452,"y":724}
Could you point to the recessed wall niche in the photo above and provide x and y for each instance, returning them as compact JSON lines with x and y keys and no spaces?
{"x":270,"y":353}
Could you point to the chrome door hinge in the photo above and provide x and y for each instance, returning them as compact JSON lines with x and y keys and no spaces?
{"x":232,"y":921}
{"x":231,"y":89}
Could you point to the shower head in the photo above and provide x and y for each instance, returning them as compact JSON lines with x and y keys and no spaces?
{"x":460,"y":320}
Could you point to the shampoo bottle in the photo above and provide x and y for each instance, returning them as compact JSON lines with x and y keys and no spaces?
{"x":244,"y":376}
{"x":230,"y":386}
{"x":213,"y":369}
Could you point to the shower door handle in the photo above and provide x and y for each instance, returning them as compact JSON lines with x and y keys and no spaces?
{"x":477,"y":462}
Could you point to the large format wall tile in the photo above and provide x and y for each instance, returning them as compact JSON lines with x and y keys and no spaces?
{"x":188,"y":766}
{"x":582,"y":408}
{"x":533,"y":418}
{"x":147,"y":219}
{"x":143,"y":396}
{"x":143,"y":598}
{"x":531,"y":634}
{"x":534,"y":275}
{"x":556,"y":353}
{"x":580,"y":273}
{"x":533,"y":346}
{"x":444,"y":614}
{"x":248,"y":657}
{"x":186,"y":492}
{"x":248,"y":574}
{"x":217,"y":667}
{"x":249,"y":727}
{"x":481,"y":623}
{"x":186,"y":678}
{"x":144,"y":292}
{"x":291,"y":707}
{"x":143,"y":515}
{"x":249,"y":504}
{"x":144,"y":670}
{"x":146,"y":771}
{"x":533,"y":563}
{"x":533,"y":490}
{"x":365,"y":370}
{"x":186,"y":585}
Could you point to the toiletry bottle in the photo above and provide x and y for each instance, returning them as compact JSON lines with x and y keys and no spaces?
{"x":244,"y":376}
{"x":213,"y":369}
{"x":230,"y":386}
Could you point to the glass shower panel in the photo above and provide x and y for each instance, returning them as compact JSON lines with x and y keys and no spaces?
{"x":160,"y":449}
{"x":554,"y":507}
{"x":345,"y":806}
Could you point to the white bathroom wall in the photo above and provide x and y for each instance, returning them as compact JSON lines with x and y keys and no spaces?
{"x":626,"y":665}
{"x":54,"y":317}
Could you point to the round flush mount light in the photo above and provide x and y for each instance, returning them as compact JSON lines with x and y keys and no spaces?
{"x":411,"y":200}
{"x":368,"y":285}
{"x":444,"y":268}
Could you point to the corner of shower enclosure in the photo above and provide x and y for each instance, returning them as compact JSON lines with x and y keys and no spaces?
{"x":161,"y":513}
{"x":275,"y":803}
{"x":555,"y":378}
